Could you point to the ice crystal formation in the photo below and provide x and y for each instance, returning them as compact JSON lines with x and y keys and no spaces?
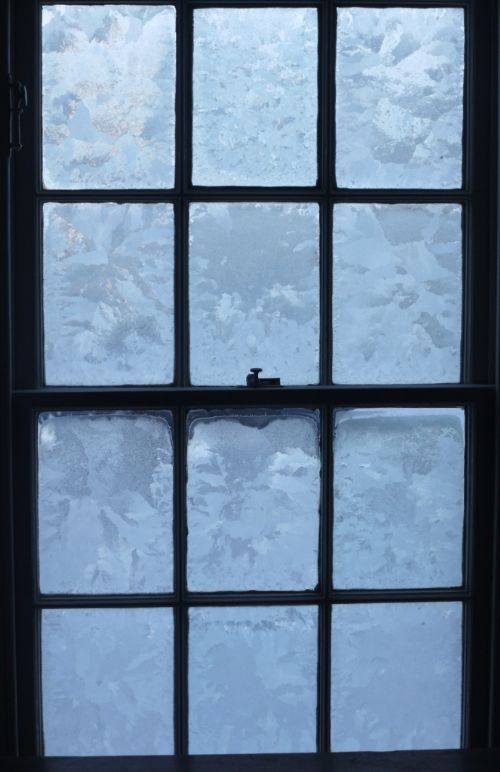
{"x":253,"y":674}
{"x":398,"y":498}
{"x":253,"y":501}
{"x":108,"y":96}
{"x":107,"y":678}
{"x":255,"y":103}
{"x":396,"y":676}
{"x":397,"y":293}
{"x":105,"y":503}
{"x":399,"y":86}
{"x":254,"y":292}
{"x":108,"y":277}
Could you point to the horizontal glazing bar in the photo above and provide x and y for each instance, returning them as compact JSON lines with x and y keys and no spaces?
{"x":335,"y":396}
{"x":435,"y":594}
{"x":377,"y":195}
{"x":253,"y":598}
{"x":253,"y":3}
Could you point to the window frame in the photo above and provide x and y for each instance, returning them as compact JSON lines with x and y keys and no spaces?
{"x":24,"y":394}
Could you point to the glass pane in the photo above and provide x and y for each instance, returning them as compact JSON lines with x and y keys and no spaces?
{"x":398,"y":498}
{"x":252,"y":679}
{"x":108,"y":275}
{"x":396,"y":676}
{"x":400,"y":74}
{"x":105,"y":485}
{"x":253,"y":496}
{"x":107,"y":682}
{"x":254,"y":292}
{"x":397,"y":293}
{"x":108,"y":82}
{"x":255,"y":103}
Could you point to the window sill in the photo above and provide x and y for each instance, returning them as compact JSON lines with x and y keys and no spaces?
{"x":404,"y":761}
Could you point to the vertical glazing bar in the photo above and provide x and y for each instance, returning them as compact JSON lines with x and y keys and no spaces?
{"x":326,"y":292}
{"x":326,"y":13}
{"x":181,"y":292}
{"x":325,"y":111}
{"x":325,"y":568}
{"x":324,"y":89}
{"x":184,"y":41}
{"x":180,"y":545}
{"x":332,"y":45}
{"x":183,"y":177}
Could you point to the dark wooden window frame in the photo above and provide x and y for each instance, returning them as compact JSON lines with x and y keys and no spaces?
{"x":23,"y":394}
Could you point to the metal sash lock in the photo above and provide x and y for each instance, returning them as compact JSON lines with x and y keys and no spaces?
{"x":254,"y":380}
{"x":18,"y":103}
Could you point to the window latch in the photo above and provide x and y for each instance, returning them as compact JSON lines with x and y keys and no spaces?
{"x":254,"y":380}
{"x":18,"y":103}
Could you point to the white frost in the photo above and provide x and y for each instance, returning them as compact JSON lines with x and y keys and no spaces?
{"x":254,"y":292}
{"x":108,"y":95}
{"x":255,"y":101}
{"x":253,"y":501}
{"x":399,"y":87}
{"x":105,"y":488}
{"x":107,"y":677}
{"x":253,"y":674}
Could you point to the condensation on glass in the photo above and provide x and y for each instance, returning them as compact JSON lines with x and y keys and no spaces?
{"x":398,"y":498}
{"x":396,"y":676}
{"x":254,"y":292}
{"x":255,"y":102}
{"x":399,"y":93}
{"x":108,"y":298}
{"x":397,"y":293}
{"x":253,"y":495}
{"x":105,"y":495}
{"x":108,"y":96}
{"x":252,"y":679}
{"x":107,"y":681}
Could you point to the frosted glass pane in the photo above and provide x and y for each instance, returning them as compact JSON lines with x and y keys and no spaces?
{"x":400,"y":74}
{"x":255,"y":103}
{"x":398,"y":498}
{"x":107,"y":682}
{"x":252,"y":679}
{"x":108,"y":278}
{"x":254,"y":292}
{"x":105,"y":486}
{"x":253,"y":496}
{"x":108,"y":83}
{"x":397,"y":293}
{"x":396,"y":676}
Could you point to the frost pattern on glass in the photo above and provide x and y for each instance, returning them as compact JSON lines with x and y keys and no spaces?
{"x":255,"y":102}
{"x":253,"y":497}
{"x":108,"y":275}
{"x":397,"y":293}
{"x":396,"y":676}
{"x":107,"y":682}
{"x":400,"y":74}
{"x":108,"y":83}
{"x":105,"y":485}
{"x":398,"y":498}
{"x":254,"y":292}
{"x":252,"y":679}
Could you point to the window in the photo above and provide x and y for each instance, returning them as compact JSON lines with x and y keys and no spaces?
{"x":206,"y":188}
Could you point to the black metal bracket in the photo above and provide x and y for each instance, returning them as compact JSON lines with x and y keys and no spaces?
{"x":18,"y":103}
{"x":254,"y":380}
